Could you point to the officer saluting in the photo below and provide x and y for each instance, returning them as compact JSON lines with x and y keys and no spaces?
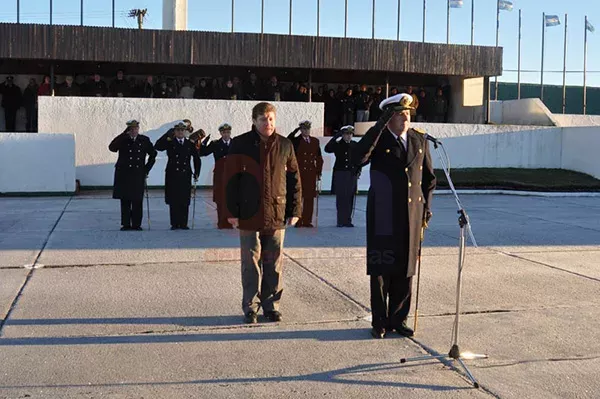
{"x":345,"y":174}
{"x":310,"y":162}
{"x":131,"y":171}
{"x":178,"y":174}
{"x":399,"y":201}
{"x":219,"y":149}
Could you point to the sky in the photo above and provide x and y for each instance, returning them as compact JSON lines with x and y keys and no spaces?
{"x":211,"y":15}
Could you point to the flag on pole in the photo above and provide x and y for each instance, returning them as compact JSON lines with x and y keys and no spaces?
{"x":456,"y":3}
{"x":552,"y":20}
{"x":589,"y":26}
{"x":505,"y":5}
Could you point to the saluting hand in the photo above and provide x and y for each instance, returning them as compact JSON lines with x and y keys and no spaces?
{"x":292,"y":221}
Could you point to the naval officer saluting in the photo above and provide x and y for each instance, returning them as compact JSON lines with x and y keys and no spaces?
{"x":399,"y":201}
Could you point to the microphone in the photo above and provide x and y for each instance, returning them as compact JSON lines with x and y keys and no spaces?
{"x":427,"y":136}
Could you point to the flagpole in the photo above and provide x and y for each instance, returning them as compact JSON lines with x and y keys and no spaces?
{"x":564,"y":94}
{"x":373,"y":22}
{"x":262,"y":18}
{"x":542,"y":68}
{"x":318,"y":15}
{"x":18,"y":11}
{"x":497,"y":42}
{"x":447,"y":21}
{"x":232,"y":14}
{"x":50,"y":12}
{"x":585,"y":66}
{"x":398,"y":32}
{"x":81,"y":13}
{"x":519,"y":60}
{"x":346,"y":20}
{"x":424,"y":18}
{"x":472,"y":22}
{"x":290,"y":17}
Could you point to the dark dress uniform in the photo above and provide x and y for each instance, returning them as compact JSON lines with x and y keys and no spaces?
{"x":178,"y":175}
{"x":131,"y":170}
{"x":310,"y":162}
{"x":402,"y":184}
{"x":11,"y":102}
{"x":345,"y":179}
{"x":219,"y":149}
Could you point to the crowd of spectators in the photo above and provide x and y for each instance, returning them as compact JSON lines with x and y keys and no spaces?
{"x":344,"y":105}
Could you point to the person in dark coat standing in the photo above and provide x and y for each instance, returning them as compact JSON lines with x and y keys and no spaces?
{"x":310,"y":161}
{"x":131,"y":171}
{"x":263,"y":192}
{"x":398,"y":204}
{"x":345,"y":174}
{"x":219,"y":149}
{"x":11,"y":102}
{"x":178,"y":174}
{"x":30,"y":102}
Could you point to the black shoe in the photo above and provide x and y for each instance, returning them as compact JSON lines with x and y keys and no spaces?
{"x":273,"y":316}
{"x":297,"y":225}
{"x":184,"y":228}
{"x":137,"y":228}
{"x":378,"y":333}
{"x":174,"y":227}
{"x":348,"y":225}
{"x":340,"y":225}
{"x":125,"y":228}
{"x":251,"y":318}
{"x":405,"y":330}
{"x":309,"y":225}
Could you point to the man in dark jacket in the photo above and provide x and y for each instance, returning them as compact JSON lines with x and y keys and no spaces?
{"x":178,"y":174}
{"x":131,"y":171}
{"x":348,"y":108}
{"x":345,"y":174}
{"x":219,"y":149}
{"x":30,"y":102}
{"x":398,"y":204}
{"x":11,"y":102}
{"x":263,"y":193}
{"x":310,"y":162}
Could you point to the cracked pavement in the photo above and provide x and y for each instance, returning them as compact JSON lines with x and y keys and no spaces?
{"x":89,"y":311}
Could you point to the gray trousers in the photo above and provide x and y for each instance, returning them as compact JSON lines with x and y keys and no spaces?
{"x":262,"y":267}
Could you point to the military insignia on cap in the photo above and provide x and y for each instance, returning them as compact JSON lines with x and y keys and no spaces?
{"x":132,"y":123}
{"x":305,"y":124}
{"x":400,"y":102}
{"x":180,"y":125}
{"x":347,"y":129}
{"x":224,"y":126}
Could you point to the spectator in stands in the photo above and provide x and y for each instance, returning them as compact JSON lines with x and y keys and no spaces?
{"x":239,"y":90}
{"x":303,"y":93}
{"x":11,"y":102}
{"x":273,"y":90}
{"x":440,"y":107}
{"x":348,"y":108}
{"x":45,"y":88}
{"x":30,"y":97}
{"x":171,"y":88}
{"x":333,"y":112}
{"x":293,"y":93}
{"x":252,"y":88}
{"x":415,"y":103}
{"x":228,"y":92}
{"x":98,"y":87}
{"x":377,"y":98}
{"x":69,"y":88}
{"x":119,"y":87}
{"x":161,"y":90}
{"x":148,"y":88}
{"x":362,"y":103}
{"x":341,"y":93}
{"x":319,"y":96}
{"x":393,"y":91}
{"x":202,"y":90}
{"x":423,"y":113}
{"x":187,"y":91}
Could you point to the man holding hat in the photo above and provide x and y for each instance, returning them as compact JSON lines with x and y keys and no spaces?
{"x":11,"y":102}
{"x":345,"y":174}
{"x":131,"y":171}
{"x":398,"y":205}
{"x":178,"y":174}
{"x":219,"y":149}
{"x":310,"y":161}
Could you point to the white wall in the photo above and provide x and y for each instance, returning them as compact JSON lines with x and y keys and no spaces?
{"x":31,"y":163}
{"x":96,"y":121}
{"x":577,"y":120}
{"x":527,"y":111}
{"x":580,"y":146}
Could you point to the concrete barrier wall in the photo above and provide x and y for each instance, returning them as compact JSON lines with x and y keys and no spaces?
{"x":577,"y":120}
{"x":527,"y":111}
{"x":580,"y":150}
{"x":37,"y":163}
{"x":96,"y":121}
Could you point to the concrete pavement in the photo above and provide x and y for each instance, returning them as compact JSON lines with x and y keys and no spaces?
{"x":88,"y":311}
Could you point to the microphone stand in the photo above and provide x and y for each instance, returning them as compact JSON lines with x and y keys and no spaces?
{"x":465,"y":226}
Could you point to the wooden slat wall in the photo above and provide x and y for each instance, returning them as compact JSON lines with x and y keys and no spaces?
{"x":99,"y":44}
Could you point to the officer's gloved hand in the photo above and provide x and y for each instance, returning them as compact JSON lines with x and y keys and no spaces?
{"x":426,"y":218}
{"x":205,"y":142}
{"x":385,"y":117}
{"x":296,"y":131}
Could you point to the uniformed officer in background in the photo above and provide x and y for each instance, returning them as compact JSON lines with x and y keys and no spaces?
{"x":131,"y":171}
{"x":398,"y":205}
{"x":345,"y":174}
{"x":310,"y":162}
{"x":178,"y":174}
{"x":219,"y":149}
